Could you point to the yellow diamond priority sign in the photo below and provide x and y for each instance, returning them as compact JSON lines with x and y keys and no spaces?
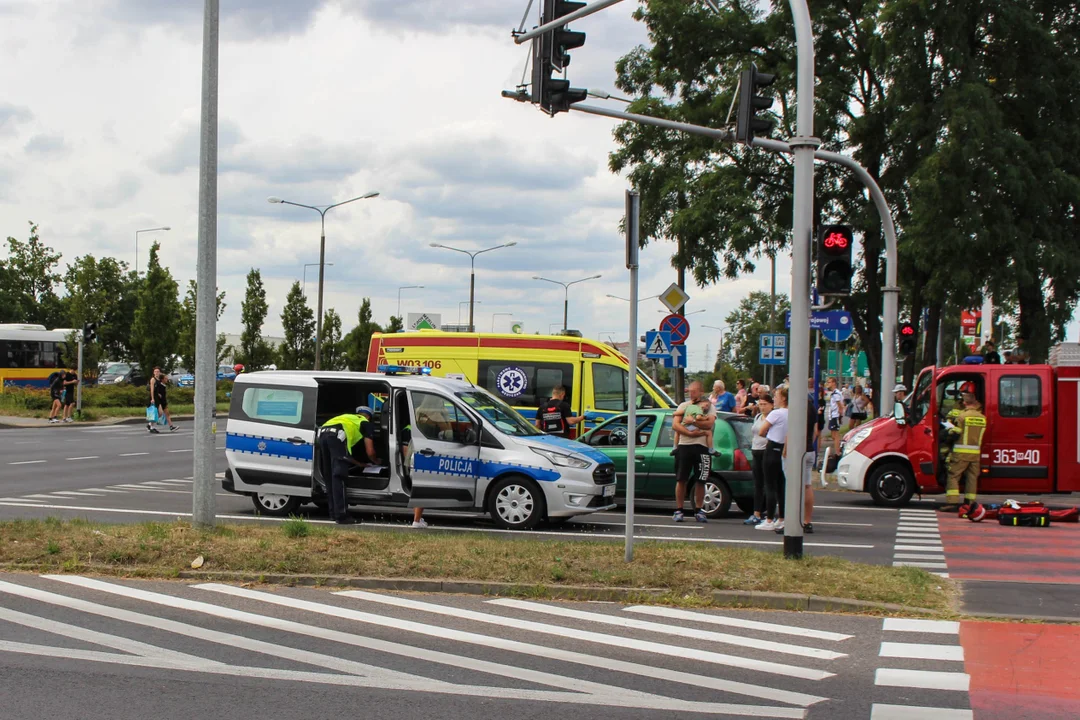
{"x":674,"y":298}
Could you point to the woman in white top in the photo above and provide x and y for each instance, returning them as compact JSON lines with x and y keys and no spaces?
{"x":757,"y":450}
{"x":774,"y":430}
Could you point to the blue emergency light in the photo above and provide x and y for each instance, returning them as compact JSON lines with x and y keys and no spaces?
{"x":403,"y":370}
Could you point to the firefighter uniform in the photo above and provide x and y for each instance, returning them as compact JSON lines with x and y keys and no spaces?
{"x":966,"y":454}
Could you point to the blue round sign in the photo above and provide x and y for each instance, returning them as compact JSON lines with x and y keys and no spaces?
{"x":511,"y":382}
{"x":678,"y":326}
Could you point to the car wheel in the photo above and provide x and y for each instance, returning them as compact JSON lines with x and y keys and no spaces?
{"x":717,"y":498}
{"x":516,"y":503}
{"x":746,"y":504}
{"x":891,"y":485}
{"x":275,"y":505}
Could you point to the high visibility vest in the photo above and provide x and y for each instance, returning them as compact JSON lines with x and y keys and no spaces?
{"x":351,"y":424}
{"x":972,"y":426}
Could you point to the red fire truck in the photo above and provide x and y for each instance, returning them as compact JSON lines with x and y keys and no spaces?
{"x":1032,"y":443}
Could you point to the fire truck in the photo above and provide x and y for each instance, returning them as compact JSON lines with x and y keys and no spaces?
{"x":1031,"y":446}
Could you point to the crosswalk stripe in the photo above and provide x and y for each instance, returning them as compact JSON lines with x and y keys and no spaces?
{"x":599,"y":638}
{"x":937,"y":627}
{"x":106,"y":490}
{"x":17,"y":500}
{"x":738,"y":688}
{"x":911,"y":712}
{"x":675,"y":630}
{"x":699,"y":617}
{"x":914,"y":563}
{"x":38,"y":497}
{"x":922,"y":679}
{"x":919,"y":540}
{"x":922,"y":651}
{"x":920,"y":548}
{"x":913,"y":556}
{"x":69,"y":493}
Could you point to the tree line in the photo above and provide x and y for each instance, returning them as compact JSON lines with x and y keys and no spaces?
{"x":143,"y":319}
{"x":964,"y":113}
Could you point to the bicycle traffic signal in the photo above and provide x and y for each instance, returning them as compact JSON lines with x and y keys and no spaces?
{"x":747,"y":122}
{"x":89,"y":332}
{"x":834,"y":268}
{"x":551,"y":54}
{"x":907,"y":338}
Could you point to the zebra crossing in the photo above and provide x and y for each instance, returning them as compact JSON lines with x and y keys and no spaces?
{"x":944,"y":682}
{"x":638,"y":657}
{"x":180,"y":486}
{"x":918,"y":542}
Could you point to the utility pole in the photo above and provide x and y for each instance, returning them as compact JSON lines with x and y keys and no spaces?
{"x":633,"y":215}
{"x":772,"y":308}
{"x":677,"y":379}
{"x":203,"y":510}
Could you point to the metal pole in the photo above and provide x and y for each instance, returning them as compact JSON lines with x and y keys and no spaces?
{"x":565,"y":20}
{"x":633,"y":215}
{"x":803,"y":147}
{"x":566,"y":307}
{"x":136,"y":253}
{"x":772,"y":309}
{"x":472,"y":291}
{"x":78,"y":385}
{"x":203,"y":500}
{"x":322,"y":271}
{"x":399,"y":302}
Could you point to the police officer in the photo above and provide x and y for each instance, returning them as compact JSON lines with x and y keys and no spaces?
{"x":338,"y":438}
{"x":970,"y":426}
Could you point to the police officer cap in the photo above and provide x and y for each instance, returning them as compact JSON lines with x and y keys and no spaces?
{"x":900,"y":387}
{"x":365,"y":410}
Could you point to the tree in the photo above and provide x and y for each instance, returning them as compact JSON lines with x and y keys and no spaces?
{"x":31,"y":270}
{"x":186,"y":343}
{"x":745,"y":325}
{"x":396,"y":325}
{"x":333,"y":349}
{"x":358,"y":340}
{"x":255,"y":353}
{"x":298,"y":322}
{"x":156,"y":329}
{"x":102,"y":291}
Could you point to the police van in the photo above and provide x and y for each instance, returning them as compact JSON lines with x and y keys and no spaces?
{"x":469,"y":451}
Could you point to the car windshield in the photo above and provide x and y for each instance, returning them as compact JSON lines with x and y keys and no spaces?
{"x":225,"y":369}
{"x":118,"y":369}
{"x":501,"y":415}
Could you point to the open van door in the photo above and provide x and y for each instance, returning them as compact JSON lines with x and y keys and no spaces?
{"x":445,"y":460}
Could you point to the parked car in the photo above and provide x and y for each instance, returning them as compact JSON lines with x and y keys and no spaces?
{"x":121,"y":373}
{"x":224,"y":372}
{"x":183,"y":377}
{"x":731,"y":479}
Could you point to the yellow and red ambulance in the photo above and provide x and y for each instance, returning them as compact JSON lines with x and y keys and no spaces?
{"x":523,"y":369}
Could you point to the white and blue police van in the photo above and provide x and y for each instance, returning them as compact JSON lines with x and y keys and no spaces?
{"x":469,"y":450}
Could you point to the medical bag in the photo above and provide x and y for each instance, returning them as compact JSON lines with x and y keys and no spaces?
{"x":1024,"y":516}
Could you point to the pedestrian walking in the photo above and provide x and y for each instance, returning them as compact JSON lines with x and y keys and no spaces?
{"x":56,"y":394}
{"x":774,"y":430}
{"x":71,"y":380}
{"x":159,"y":399}
{"x":693,"y":463}
{"x":757,"y":467}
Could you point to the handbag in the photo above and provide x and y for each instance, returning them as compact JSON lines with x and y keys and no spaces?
{"x":151,"y":413}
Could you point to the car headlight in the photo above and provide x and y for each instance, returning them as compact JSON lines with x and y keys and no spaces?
{"x":561,"y":459}
{"x":856,"y":439}
{"x":118,"y":380}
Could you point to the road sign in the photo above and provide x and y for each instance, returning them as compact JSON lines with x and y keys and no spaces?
{"x":657,"y":344}
{"x":677,"y":358}
{"x":824,"y":320}
{"x":674,"y":298}
{"x":838,"y":335}
{"x":678,"y":326}
{"x":772,"y":349}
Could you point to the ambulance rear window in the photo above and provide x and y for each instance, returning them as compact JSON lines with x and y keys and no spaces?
{"x":1020,"y":396}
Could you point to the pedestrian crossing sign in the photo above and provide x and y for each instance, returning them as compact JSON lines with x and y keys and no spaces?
{"x":657,"y":344}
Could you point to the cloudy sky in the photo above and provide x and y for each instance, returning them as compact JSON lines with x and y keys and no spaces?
{"x":321,"y":102}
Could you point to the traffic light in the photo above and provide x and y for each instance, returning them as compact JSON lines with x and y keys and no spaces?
{"x":834,"y":269}
{"x":747,"y":123}
{"x":89,"y":332}
{"x":907,"y":339}
{"x":550,"y":54}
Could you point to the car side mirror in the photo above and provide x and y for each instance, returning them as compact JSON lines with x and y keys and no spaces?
{"x":899,"y":414}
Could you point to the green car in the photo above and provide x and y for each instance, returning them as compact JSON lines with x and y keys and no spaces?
{"x":731,"y":478}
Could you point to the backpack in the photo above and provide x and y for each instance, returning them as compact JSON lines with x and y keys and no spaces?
{"x":53,"y":377}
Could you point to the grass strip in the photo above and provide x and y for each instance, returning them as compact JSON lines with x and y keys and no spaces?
{"x":687,"y":573}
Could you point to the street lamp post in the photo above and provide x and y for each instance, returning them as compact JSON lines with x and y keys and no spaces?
{"x":494,"y":315}
{"x":472,"y":273}
{"x":566,"y":293}
{"x":137,"y":244}
{"x":714,"y":327}
{"x":462,"y":304}
{"x":616,"y":297}
{"x":306,"y":266}
{"x":322,"y":210}
{"x":405,"y":287}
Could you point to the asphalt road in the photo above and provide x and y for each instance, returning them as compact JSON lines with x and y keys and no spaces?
{"x":74,"y":647}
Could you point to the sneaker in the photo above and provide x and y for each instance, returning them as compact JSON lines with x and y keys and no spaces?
{"x":778,"y":527}
{"x":154,"y":430}
{"x":808,"y":528}
{"x":67,"y":420}
{"x":752,"y":520}
{"x":173,"y":428}
{"x":678,"y":516}
{"x":419,"y":524}
{"x":765,"y":525}
{"x":712,"y":451}
{"x":700,"y":516}
{"x":53,"y":421}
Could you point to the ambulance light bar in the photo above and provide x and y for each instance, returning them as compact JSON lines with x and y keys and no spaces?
{"x":403,"y":370}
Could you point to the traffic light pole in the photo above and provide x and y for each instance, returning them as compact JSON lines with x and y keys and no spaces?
{"x":78,"y":385}
{"x":589,"y":9}
{"x":633,"y":215}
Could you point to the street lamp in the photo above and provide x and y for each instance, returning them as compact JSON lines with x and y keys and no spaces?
{"x":616,"y":297}
{"x":137,"y":244}
{"x":494,"y":315}
{"x":472,"y":273}
{"x":696,"y":312}
{"x":306,"y":266}
{"x":566,"y":291}
{"x":470,"y":304}
{"x":322,"y":210}
{"x":714,"y":327}
{"x":405,"y":287}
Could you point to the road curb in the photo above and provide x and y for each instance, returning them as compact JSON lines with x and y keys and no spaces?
{"x":720,"y":598}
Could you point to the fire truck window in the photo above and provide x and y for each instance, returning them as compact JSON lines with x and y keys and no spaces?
{"x":1020,"y":396}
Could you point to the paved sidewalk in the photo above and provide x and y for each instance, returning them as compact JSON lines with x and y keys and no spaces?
{"x":15,"y":421}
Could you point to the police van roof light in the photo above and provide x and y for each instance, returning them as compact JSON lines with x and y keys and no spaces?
{"x":403,"y":369}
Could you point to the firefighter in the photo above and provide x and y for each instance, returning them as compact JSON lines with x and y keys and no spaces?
{"x":967,"y":452}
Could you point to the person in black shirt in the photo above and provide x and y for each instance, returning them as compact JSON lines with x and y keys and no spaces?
{"x":70,"y":381}
{"x":159,"y":399}
{"x":990,"y":353}
{"x":555,"y":416}
{"x":56,"y":392}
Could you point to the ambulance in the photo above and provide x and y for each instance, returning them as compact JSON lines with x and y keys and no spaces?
{"x":1031,"y":445}
{"x":523,"y":369}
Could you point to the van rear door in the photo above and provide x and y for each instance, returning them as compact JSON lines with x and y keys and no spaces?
{"x":270,"y":436}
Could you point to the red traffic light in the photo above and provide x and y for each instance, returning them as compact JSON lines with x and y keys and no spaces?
{"x":837,"y":241}
{"x":907,"y":329}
